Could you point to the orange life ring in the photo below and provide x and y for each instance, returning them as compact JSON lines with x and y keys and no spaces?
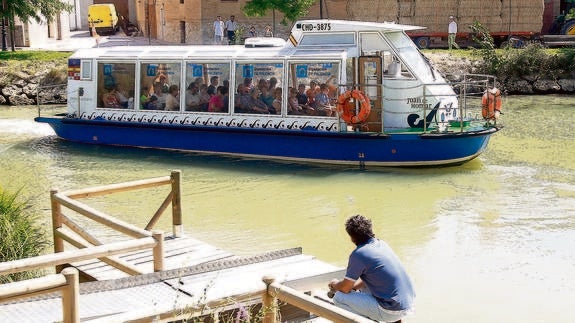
{"x":491,"y":104}
{"x":346,"y":109}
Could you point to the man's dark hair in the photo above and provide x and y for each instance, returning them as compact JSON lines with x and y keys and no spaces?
{"x":359,"y":229}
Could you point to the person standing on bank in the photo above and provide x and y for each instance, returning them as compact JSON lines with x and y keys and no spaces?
{"x":218,"y":30}
{"x":452,"y":33}
{"x":375,"y":285}
{"x":231,"y":26}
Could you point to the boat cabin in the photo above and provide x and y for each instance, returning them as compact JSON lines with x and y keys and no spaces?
{"x":269,"y":82}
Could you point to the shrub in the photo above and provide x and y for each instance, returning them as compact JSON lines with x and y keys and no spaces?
{"x":22,"y":235}
{"x":531,"y":61}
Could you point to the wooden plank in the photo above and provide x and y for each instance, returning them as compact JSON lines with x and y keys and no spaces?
{"x":179,"y":252}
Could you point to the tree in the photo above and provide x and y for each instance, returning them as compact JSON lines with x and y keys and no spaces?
{"x":291,"y":9}
{"x":26,"y":10}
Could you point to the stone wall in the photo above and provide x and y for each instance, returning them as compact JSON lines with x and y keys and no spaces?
{"x":43,"y":87}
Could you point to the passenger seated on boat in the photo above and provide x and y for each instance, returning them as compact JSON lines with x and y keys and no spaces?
{"x":121,"y":97}
{"x":311,"y":93}
{"x":242,"y":99}
{"x":158,"y":92}
{"x":266,"y":95}
{"x":144,"y":97}
{"x":293,"y":104}
{"x":214,"y":82}
{"x":153,"y":103}
{"x":193,"y":98}
{"x":110,"y":99}
{"x":248,"y":83}
{"x":217,"y":101}
{"x":162,"y":82}
{"x":272,"y":83}
{"x":204,"y":97}
{"x":301,"y":96}
{"x":173,"y":98}
{"x":277,"y":103}
{"x":323,"y":105}
{"x":332,"y":86}
{"x":255,"y":105}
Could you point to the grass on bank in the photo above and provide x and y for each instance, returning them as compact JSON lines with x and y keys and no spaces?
{"x":54,"y":64}
{"x":21,"y":234}
{"x":33,"y":55}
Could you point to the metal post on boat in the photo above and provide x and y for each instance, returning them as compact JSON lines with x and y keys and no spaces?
{"x":80,"y":94}
{"x":424,"y":98}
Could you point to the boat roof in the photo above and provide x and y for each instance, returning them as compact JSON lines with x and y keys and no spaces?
{"x":206,"y":52}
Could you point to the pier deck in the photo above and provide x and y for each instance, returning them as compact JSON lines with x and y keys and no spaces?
{"x":211,"y":275}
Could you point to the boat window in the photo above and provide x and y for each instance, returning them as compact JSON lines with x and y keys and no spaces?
{"x":116,"y":85}
{"x":86,"y":70}
{"x":159,"y":83}
{"x":393,"y":68}
{"x":344,"y":39}
{"x":411,"y":55}
{"x":373,"y":44}
{"x":258,"y":88}
{"x":203,"y":80}
{"x":313,"y":88}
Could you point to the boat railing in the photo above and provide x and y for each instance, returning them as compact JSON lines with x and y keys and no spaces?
{"x":468,"y":90}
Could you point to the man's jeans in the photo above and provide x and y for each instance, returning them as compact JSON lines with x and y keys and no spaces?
{"x":365,"y":304}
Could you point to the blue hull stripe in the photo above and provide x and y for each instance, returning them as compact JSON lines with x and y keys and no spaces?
{"x":304,"y":146}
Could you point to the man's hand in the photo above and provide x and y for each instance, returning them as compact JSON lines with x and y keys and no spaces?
{"x":344,"y":285}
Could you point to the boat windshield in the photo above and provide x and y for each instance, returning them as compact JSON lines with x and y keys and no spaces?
{"x":411,"y":56}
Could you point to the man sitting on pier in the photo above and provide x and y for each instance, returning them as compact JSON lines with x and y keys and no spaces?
{"x":375,"y":284}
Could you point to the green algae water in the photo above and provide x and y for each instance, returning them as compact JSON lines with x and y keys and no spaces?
{"x":492,"y":240}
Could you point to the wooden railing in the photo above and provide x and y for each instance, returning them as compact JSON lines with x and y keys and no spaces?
{"x":67,"y":283}
{"x":65,"y":229}
{"x":275,"y":291}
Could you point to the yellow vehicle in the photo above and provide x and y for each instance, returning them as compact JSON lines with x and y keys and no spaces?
{"x":103,"y":18}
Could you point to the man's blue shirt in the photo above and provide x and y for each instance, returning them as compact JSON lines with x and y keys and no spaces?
{"x":382,"y":272}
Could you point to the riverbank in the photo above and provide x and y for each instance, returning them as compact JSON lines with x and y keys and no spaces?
{"x":30,"y":82}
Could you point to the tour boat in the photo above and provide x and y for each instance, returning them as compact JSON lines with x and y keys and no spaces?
{"x":335,"y":92}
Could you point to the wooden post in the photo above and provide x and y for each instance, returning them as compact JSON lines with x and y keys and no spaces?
{"x":56,"y":224}
{"x":158,"y":250}
{"x":176,"y":203}
{"x":71,"y":295}
{"x":269,"y":302}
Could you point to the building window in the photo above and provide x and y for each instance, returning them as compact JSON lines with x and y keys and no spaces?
{"x":182,"y":32}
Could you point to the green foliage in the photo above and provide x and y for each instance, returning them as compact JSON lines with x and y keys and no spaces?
{"x":482,"y":37}
{"x":36,"y":10}
{"x":28,"y":55}
{"x":22,"y":235}
{"x":291,"y":9}
{"x":531,"y":60}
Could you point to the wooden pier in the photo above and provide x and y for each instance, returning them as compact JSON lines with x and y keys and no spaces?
{"x":152,"y":277}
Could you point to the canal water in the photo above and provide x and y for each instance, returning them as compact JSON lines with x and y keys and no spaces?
{"x":489,"y":241}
